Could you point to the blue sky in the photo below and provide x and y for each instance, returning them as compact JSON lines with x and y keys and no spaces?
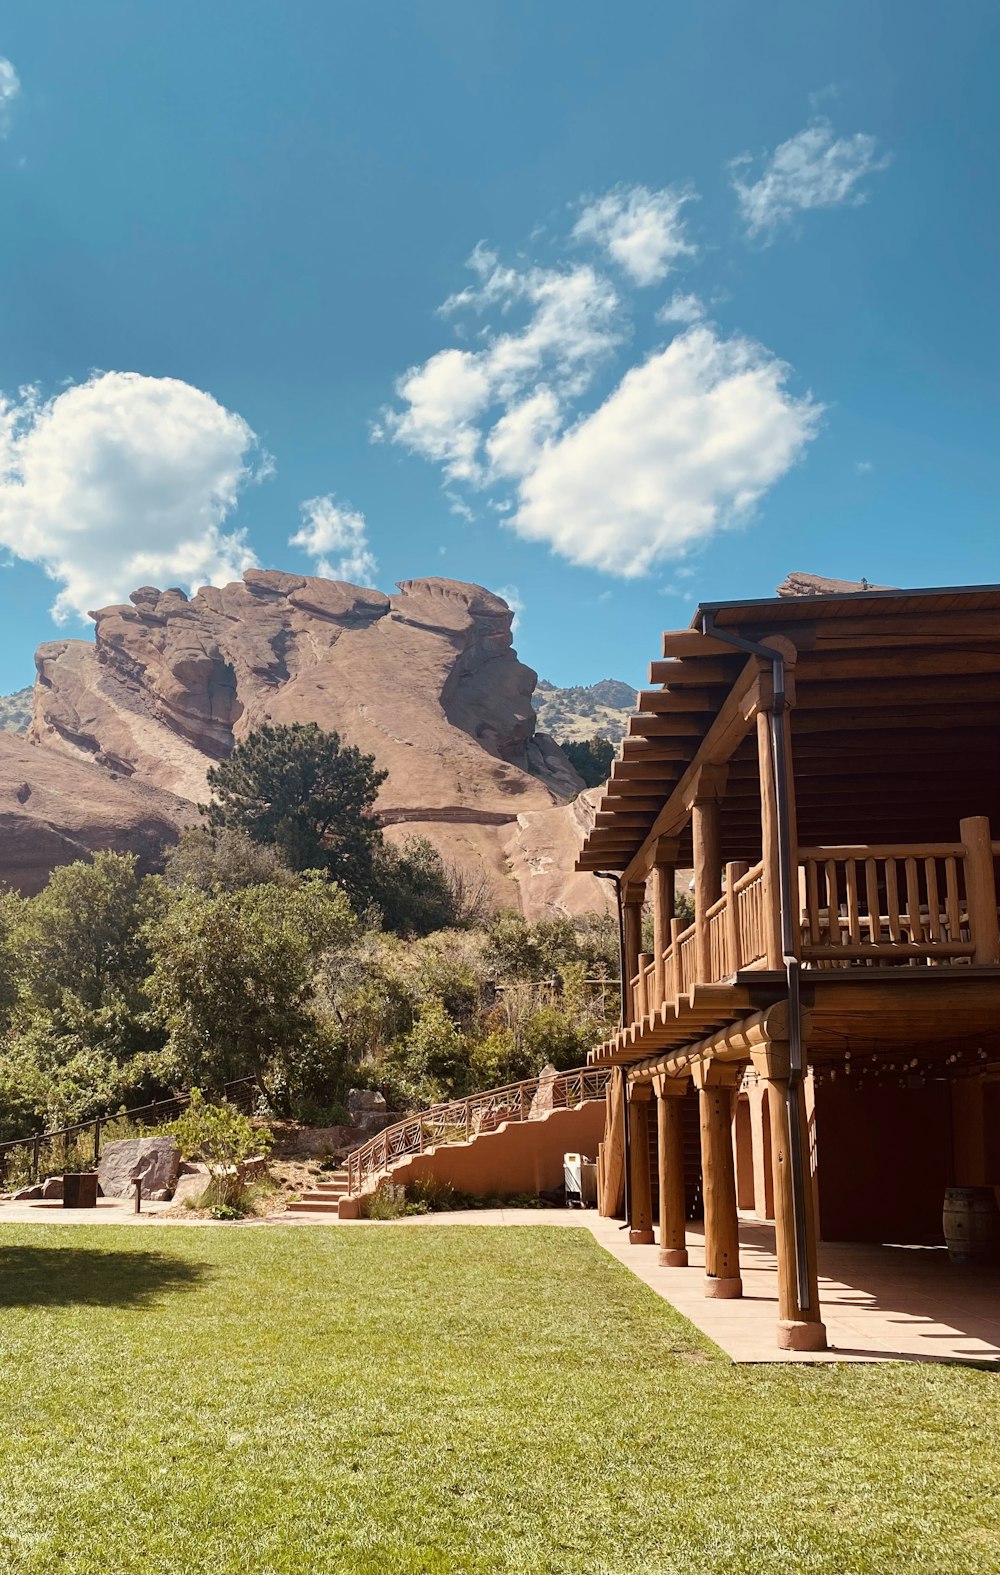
{"x":731,"y":305}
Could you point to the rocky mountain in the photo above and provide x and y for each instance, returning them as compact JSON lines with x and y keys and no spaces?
{"x":15,"y":711}
{"x":598,"y":710}
{"x":125,"y":728}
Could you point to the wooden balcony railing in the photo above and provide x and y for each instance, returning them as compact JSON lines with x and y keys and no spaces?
{"x":462,"y":1119}
{"x":921,"y":905}
{"x":883,"y":904}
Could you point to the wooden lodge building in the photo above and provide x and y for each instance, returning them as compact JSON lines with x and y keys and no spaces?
{"x":821,"y":1046}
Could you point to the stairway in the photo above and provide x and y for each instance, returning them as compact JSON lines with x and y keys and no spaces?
{"x":325,"y":1197}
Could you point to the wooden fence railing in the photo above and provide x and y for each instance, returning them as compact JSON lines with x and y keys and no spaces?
{"x":916,"y":905}
{"x":50,"y":1150}
{"x":882,"y":903}
{"x":462,"y":1119}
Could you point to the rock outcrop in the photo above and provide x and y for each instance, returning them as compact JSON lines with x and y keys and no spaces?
{"x":798,"y":583}
{"x":542,"y":851}
{"x":426,"y":680}
{"x":54,"y":809}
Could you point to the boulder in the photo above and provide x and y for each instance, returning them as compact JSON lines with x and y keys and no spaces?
{"x":52,"y":1187}
{"x":156,"y":1159}
{"x":191,"y":1185}
{"x":361,"y":1100}
{"x":27,"y":1194}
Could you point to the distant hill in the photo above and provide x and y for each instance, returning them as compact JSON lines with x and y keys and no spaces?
{"x":15,"y":711}
{"x":583,"y":711}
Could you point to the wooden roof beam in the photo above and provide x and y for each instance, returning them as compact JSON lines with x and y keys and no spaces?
{"x":732,"y":722}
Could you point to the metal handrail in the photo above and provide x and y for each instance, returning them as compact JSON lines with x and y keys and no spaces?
{"x":458,"y":1120}
{"x":237,"y":1093}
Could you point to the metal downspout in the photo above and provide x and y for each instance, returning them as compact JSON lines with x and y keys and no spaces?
{"x":788,"y":899}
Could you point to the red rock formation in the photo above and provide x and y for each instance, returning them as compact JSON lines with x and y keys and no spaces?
{"x":427,"y":681}
{"x":54,"y":809}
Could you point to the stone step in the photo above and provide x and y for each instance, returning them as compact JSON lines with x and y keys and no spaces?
{"x":314,"y":1203}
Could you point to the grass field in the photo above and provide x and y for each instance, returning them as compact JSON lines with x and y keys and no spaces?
{"x":397,"y":1399}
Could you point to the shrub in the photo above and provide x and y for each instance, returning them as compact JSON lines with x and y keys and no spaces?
{"x":224,"y":1139}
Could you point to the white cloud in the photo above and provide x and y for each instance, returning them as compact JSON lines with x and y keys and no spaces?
{"x":124,"y":480}
{"x":641,"y":230}
{"x":572,"y":323}
{"x":686,"y":309}
{"x":512,"y":596}
{"x":326,"y":528}
{"x":813,"y":169}
{"x":687,"y":443}
{"x":863,"y":466}
{"x":681,"y":446}
{"x":10,"y":87}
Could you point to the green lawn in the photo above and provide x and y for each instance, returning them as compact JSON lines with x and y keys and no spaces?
{"x":395,"y":1399}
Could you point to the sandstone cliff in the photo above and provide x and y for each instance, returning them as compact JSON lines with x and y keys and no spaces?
{"x":426,"y":680}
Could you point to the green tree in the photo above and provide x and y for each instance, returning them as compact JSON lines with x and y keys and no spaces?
{"x":220,"y":858}
{"x":591,"y":757}
{"x":413,"y":889}
{"x":79,"y":1032}
{"x":233,"y":980}
{"x":302,"y":791}
{"x":224,"y":1139}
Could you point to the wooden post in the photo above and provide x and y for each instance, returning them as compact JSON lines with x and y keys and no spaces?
{"x":640,"y":1190}
{"x":799,"y":1328}
{"x":769,"y":834}
{"x":980,"y":888}
{"x":674,"y":980}
{"x":632,"y":896}
{"x":715,"y":1082}
{"x":670,"y":1132}
{"x":664,"y":878}
{"x":706,"y":843}
{"x":734,"y":872}
{"x":643,"y":1005}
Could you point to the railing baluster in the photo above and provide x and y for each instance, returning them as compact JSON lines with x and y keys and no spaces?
{"x":933,"y":901}
{"x":953,"y":909}
{"x":913,"y":919}
{"x":892,"y":900}
{"x":871,"y":893}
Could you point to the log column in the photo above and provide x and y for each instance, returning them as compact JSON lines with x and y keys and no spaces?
{"x":800,"y":1327}
{"x":640,"y":1190}
{"x":980,"y":888}
{"x":716,"y":1082}
{"x":706,"y":841}
{"x":633,"y":896}
{"x":670,"y":1131}
{"x":769,"y":807}
{"x":664,"y":880}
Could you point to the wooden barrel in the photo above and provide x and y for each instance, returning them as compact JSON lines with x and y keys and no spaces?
{"x":971,"y":1224}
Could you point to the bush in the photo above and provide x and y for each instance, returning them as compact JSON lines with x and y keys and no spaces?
{"x":224,"y":1139}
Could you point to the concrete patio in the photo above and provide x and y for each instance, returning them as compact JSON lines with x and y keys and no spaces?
{"x":879,"y":1303}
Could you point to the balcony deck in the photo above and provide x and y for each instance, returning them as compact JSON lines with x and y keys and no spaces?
{"x":882,"y":915}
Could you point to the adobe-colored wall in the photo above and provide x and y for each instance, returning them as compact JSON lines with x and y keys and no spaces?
{"x":885,"y":1158}
{"x":521,"y":1156}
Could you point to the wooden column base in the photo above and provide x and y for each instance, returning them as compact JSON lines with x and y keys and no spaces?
{"x":796,"y":1336}
{"x":723,"y":1290}
{"x":673,"y":1258}
{"x":641,"y":1238}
